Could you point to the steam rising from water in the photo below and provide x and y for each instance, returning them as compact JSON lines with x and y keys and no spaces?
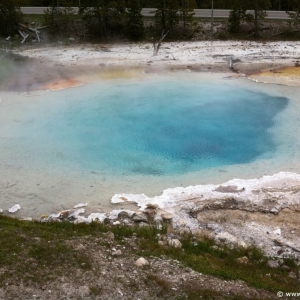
{"x":22,"y":74}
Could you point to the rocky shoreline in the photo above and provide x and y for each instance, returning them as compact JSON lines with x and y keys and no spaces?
{"x":261,"y":212}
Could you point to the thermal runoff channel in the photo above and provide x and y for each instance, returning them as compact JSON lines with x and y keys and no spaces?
{"x":164,"y":126}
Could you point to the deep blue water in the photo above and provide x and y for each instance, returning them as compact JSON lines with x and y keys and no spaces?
{"x":152,"y":127}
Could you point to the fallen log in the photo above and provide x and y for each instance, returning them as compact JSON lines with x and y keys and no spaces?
{"x":35,"y":30}
{"x":37,"y":35}
{"x":23,"y":35}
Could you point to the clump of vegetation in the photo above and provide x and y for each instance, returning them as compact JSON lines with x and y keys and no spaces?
{"x":295,"y":15}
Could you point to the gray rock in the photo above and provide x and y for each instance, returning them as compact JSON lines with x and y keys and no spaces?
{"x":109,"y":235}
{"x":285,"y":267}
{"x":243,"y":260}
{"x":150,"y":212}
{"x":172,"y":236}
{"x":116,"y":253}
{"x":273,"y":264}
{"x":277,"y":231}
{"x":242,"y":244}
{"x":141,"y":262}
{"x":229,"y":189}
{"x":279,"y":242}
{"x":292,"y":275}
{"x":175,"y":243}
{"x":152,"y":206}
{"x":274,"y":211}
{"x":139,"y":217}
{"x":83,"y":291}
{"x":76,"y":213}
{"x":107,"y":221}
{"x":14,"y":208}
{"x":116,"y":223}
{"x":167,"y":216}
{"x":226,"y":237}
{"x":123,"y":215}
{"x":162,"y":243}
{"x":80,"y":247}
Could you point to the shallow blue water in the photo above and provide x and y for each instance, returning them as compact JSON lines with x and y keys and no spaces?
{"x":152,"y":127}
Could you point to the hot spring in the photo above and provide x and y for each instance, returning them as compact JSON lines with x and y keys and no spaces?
{"x":141,"y":135}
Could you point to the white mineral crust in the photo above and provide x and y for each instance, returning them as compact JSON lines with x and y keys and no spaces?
{"x":14,"y":208}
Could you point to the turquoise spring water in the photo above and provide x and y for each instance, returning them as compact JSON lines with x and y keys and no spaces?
{"x":154,"y":128}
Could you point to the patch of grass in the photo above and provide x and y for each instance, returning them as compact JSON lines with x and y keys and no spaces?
{"x":95,"y":290}
{"x":161,"y":282}
{"x":37,"y":252}
{"x":223,"y":264}
{"x":31,"y":249}
{"x":201,"y":257}
{"x":162,"y":286}
{"x":34,"y":252}
{"x":290,"y":262}
{"x":134,"y":286}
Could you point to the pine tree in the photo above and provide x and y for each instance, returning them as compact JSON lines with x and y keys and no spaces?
{"x":166,"y":14}
{"x":295,"y":15}
{"x":259,"y":12}
{"x":10,"y":15}
{"x":58,"y":14}
{"x":134,"y":20}
{"x":104,"y":17}
{"x":239,"y":14}
{"x":186,"y":11}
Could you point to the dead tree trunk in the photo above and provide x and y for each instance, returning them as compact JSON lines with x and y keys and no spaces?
{"x":157,"y":46}
{"x":231,"y":65}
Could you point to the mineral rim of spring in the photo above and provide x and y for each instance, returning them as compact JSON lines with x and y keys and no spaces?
{"x":153,"y":127}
